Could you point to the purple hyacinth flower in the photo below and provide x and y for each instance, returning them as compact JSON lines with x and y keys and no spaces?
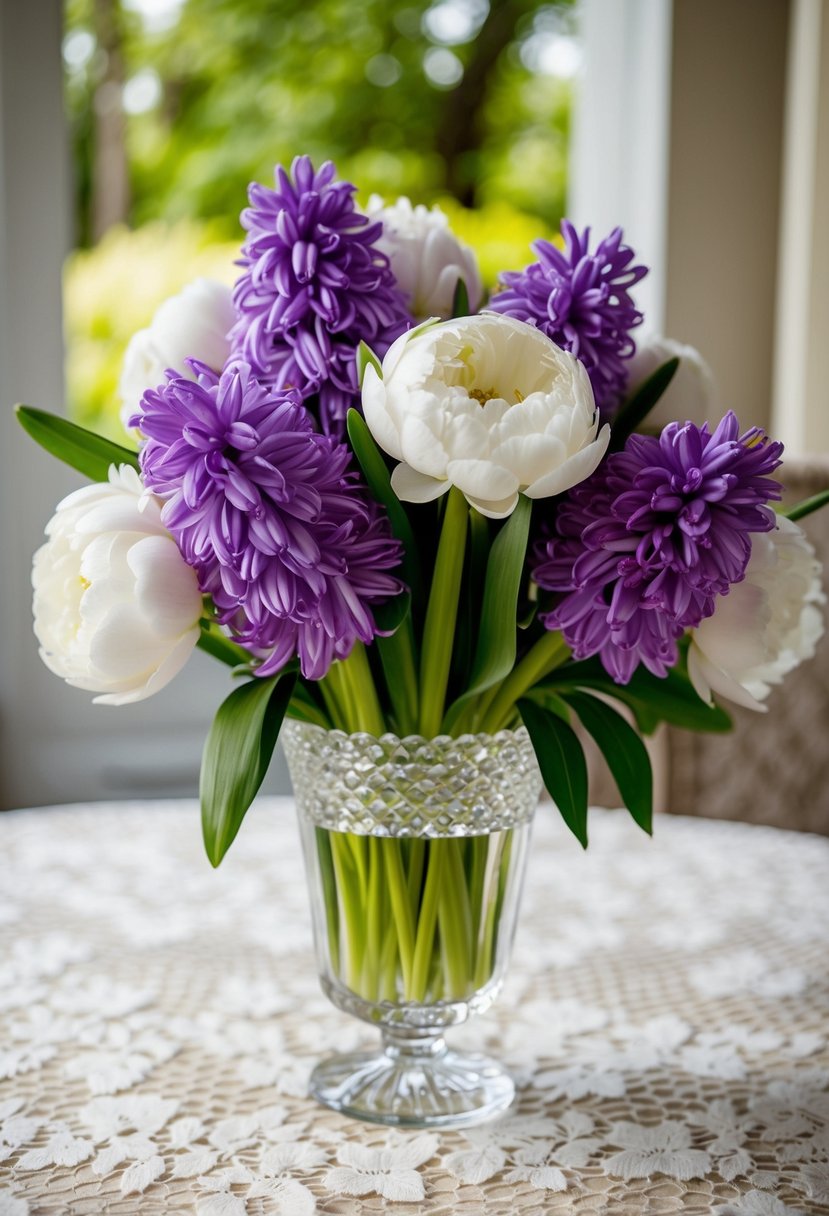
{"x":582,"y":301}
{"x":314,"y":286}
{"x":644,"y":546}
{"x":282,"y":534}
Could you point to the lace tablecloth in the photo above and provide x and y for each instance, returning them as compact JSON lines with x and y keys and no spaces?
{"x":665,"y":1019}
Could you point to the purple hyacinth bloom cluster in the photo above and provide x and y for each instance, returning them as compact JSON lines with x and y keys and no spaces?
{"x":282,"y":534}
{"x":643,"y":547}
{"x":582,"y":301}
{"x":313,"y":287}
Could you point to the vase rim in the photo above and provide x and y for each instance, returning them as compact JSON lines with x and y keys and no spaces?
{"x":391,"y":738}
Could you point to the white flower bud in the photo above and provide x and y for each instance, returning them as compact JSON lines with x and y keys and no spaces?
{"x":690,"y":395}
{"x":191,"y":325}
{"x":766,"y":626}
{"x":427,"y":259}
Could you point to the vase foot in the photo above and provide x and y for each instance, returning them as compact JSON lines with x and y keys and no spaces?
{"x":414,"y":1085}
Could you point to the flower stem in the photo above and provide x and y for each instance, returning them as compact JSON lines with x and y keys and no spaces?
{"x":350,"y":907}
{"x":441,"y":614}
{"x":549,"y":652}
{"x":351,"y":685}
{"x":426,"y":925}
{"x":455,"y":919}
{"x":401,"y":909}
{"x":397,"y":655}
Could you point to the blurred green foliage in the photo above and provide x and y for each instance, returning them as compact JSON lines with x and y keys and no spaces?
{"x":451,"y":100}
{"x":113,"y":290}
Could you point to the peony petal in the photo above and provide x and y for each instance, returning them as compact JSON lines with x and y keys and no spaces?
{"x":412,"y":486}
{"x":494,"y":510}
{"x":166,"y":588}
{"x":167,"y":670}
{"x":703,"y":673}
{"x":421,"y":446}
{"x":378,"y":419}
{"x":573,"y":471}
{"x":482,"y":479}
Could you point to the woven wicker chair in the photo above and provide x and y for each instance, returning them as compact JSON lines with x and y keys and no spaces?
{"x":773,"y":768}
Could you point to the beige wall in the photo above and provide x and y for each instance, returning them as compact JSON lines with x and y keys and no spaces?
{"x":728,"y":78}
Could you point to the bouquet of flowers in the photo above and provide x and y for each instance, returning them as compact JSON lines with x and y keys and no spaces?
{"x":392,"y":507}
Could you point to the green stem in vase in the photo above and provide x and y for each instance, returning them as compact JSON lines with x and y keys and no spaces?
{"x":388,"y":964}
{"x":350,"y":907}
{"x":417,"y":853}
{"x":479,"y":848}
{"x":454,"y":919}
{"x":489,"y":901}
{"x":329,"y":890}
{"x":426,"y":925}
{"x":401,"y":909}
{"x":374,"y":919}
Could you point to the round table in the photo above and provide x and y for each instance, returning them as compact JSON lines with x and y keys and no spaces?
{"x":665,"y":1018}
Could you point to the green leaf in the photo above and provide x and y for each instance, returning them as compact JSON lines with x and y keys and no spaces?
{"x":625,"y":753}
{"x":495,"y":651}
{"x":634,"y":411}
{"x":460,"y":300}
{"x":388,"y":617}
{"x":365,"y":358}
{"x":561,"y":760}
{"x":378,"y":481}
{"x":236,"y":757}
{"x":801,"y":509}
{"x":83,"y":450}
{"x":653,"y":699}
{"x":215,"y":643}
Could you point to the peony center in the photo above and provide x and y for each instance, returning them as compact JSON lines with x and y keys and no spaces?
{"x":482,"y":396}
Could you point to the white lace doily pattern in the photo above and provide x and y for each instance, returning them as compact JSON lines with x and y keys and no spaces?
{"x":665,"y":1018}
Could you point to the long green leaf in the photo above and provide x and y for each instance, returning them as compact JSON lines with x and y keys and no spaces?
{"x":671,"y":698}
{"x":561,"y":760}
{"x":83,"y":450}
{"x":378,"y":480}
{"x":236,"y":757}
{"x":215,"y":643}
{"x":625,"y":753}
{"x":801,"y":509}
{"x":634,"y":411}
{"x":460,"y":300}
{"x":495,"y":651}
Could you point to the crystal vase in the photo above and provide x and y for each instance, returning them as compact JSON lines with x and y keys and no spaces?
{"x":415,"y":852}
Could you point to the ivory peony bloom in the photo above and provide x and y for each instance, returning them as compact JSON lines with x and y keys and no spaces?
{"x":488,"y":404}
{"x":191,"y":325}
{"x":427,"y":259}
{"x":766,"y":626}
{"x":116,"y":608}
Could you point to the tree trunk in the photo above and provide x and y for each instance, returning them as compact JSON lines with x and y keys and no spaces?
{"x":459,"y":134}
{"x":110,"y":173}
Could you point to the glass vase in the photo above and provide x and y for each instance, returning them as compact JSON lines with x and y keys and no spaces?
{"x":415,"y":851}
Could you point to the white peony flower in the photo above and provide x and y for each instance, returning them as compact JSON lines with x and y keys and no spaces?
{"x":487,"y":404}
{"x":691,"y":391}
{"x":427,"y":259}
{"x":192,"y":325}
{"x":116,"y":607}
{"x":766,"y":625}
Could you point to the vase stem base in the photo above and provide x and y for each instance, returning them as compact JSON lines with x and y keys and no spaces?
{"x":414,"y":1085}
